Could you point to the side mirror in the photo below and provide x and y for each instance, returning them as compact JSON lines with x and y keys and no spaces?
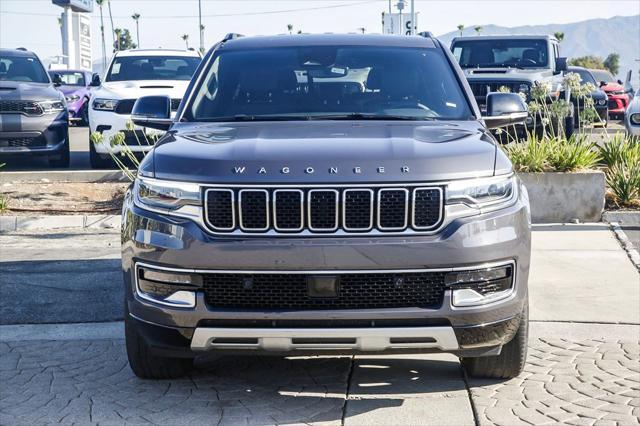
{"x":57,"y":80}
{"x":95,"y":80}
{"x":505,"y":109}
{"x":603,"y":83}
{"x":561,"y":65}
{"x":153,"y":112}
{"x":620,"y":82}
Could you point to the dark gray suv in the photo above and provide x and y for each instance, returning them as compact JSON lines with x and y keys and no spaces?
{"x":33,"y":114}
{"x":327,"y":194}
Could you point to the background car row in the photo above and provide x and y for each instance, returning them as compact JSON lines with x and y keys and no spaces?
{"x":37,"y":106}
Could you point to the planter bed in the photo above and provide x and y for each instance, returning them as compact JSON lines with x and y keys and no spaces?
{"x":63,"y":198}
{"x":557,"y":197}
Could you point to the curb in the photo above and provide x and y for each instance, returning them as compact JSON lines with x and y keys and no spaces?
{"x":27,"y":223}
{"x":627,"y":245}
{"x":64,"y":176}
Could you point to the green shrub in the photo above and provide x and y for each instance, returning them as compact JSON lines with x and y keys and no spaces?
{"x":623,"y":180}
{"x":575,"y":153}
{"x":620,"y":148}
{"x":553,"y":154}
{"x":621,"y":155}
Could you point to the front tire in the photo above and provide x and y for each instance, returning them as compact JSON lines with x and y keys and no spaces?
{"x":511,"y":361}
{"x":146,"y":365}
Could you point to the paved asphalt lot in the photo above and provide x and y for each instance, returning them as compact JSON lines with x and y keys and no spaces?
{"x":79,"y":137}
{"x":583,"y":365}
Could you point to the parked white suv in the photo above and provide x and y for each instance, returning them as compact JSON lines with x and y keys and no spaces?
{"x":130,"y":75}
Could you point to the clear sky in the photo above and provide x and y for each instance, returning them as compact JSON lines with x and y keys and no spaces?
{"x":33,"y":23}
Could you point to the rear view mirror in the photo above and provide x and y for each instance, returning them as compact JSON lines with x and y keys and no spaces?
{"x":57,"y":79}
{"x":95,"y":80}
{"x":153,"y":112}
{"x":505,"y":109}
{"x":561,"y":65}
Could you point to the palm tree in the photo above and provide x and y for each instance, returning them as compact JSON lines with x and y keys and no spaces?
{"x":559,"y":35}
{"x":290,"y":28}
{"x":136,"y":17}
{"x":460,"y":28}
{"x":185,"y":37}
{"x":100,"y":3}
{"x":113,"y":32}
{"x":478,"y":29}
{"x":202,"y":38}
{"x":117,"y":32}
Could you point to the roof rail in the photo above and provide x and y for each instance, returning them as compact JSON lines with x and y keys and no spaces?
{"x":231,"y":36}
{"x":425,"y":34}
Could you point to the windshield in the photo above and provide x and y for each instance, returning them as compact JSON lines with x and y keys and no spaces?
{"x":22,"y":68}
{"x":602,"y":75}
{"x":70,"y":78}
{"x":585,"y":75}
{"x":152,"y":68}
{"x":329,"y":82}
{"x":516,"y":53}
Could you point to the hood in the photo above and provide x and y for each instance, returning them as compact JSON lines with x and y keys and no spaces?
{"x":71,"y":90}
{"x":324,"y":152}
{"x":136,"y":89}
{"x":20,"y":90}
{"x":613,"y":87}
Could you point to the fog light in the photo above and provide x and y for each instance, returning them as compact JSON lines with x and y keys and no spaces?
{"x":168,"y":288}
{"x":479,"y":287}
{"x":635,"y":119}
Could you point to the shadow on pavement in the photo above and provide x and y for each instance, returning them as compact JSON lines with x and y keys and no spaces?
{"x":61,"y":291}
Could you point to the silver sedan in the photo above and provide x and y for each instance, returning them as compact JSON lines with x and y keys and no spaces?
{"x":632,"y":116}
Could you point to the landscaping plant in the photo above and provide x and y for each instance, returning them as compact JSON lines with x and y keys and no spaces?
{"x":125,"y":155}
{"x":621,"y":155}
{"x":553,"y":154}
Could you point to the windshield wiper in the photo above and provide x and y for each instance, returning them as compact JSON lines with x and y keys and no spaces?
{"x":364,"y":116}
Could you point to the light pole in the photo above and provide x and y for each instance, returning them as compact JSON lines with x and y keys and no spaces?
{"x":200,"y":28}
{"x":412,"y":30}
{"x":400,"y":7}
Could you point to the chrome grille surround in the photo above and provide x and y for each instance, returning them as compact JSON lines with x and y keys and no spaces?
{"x":338,"y":226}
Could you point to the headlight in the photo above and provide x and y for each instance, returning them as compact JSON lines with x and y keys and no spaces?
{"x":72,"y":98}
{"x":166,"y":194}
{"x":49,"y":107}
{"x":105,"y":104}
{"x":617,"y":92}
{"x":484,"y":192}
{"x":635,"y":119}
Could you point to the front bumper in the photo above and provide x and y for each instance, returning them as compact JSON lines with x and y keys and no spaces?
{"x":466,"y":243}
{"x":24,"y":134}
{"x":618,"y":104}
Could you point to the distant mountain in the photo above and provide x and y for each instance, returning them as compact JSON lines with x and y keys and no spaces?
{"x":620,"y":34}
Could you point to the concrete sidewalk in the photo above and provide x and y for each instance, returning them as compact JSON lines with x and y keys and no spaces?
{"x":580,"y":273}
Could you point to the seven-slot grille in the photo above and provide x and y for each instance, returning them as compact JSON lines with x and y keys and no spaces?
{"x":323,"y":210}
{"x":353,"y":290}
{"x":480,"y":89}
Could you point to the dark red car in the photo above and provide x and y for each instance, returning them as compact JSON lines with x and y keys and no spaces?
{"x":618,"y":98}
